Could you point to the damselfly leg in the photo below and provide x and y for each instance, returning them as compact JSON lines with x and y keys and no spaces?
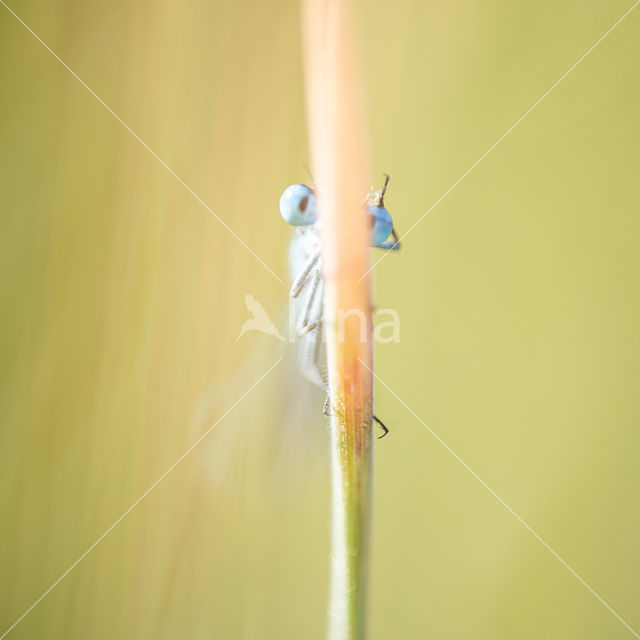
{"x":303,"y":276}
{"x":384,"y":428}
{"x":311,"y":315}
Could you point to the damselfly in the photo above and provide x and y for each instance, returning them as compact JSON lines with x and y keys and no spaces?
{"x":298,"y":208}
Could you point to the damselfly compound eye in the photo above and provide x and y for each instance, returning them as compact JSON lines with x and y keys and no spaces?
{"x":298,"y":205}
{"x":380,"y":225}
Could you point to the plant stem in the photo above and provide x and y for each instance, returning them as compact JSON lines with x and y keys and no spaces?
{"x":338,"y":162}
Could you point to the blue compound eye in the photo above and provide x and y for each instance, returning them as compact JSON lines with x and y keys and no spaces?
{"x":298,"y":205}
{"x":380,"y":224}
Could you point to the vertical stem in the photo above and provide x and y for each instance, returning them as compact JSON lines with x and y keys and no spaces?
{"x":335,"y":123}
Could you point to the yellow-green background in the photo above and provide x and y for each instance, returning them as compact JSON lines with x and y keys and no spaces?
{"x":122,"y":298}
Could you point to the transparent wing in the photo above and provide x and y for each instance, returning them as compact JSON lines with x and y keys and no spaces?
{"x":279,"y":425}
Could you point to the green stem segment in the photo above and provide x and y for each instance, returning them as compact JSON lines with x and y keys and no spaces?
{"x":351,"y":487}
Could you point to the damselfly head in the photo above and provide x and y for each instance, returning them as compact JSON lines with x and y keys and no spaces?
{"x":298,"y":208}
{"x":298,"y":205}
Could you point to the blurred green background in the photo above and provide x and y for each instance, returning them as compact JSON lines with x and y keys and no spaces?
{"x":122,"y":299}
